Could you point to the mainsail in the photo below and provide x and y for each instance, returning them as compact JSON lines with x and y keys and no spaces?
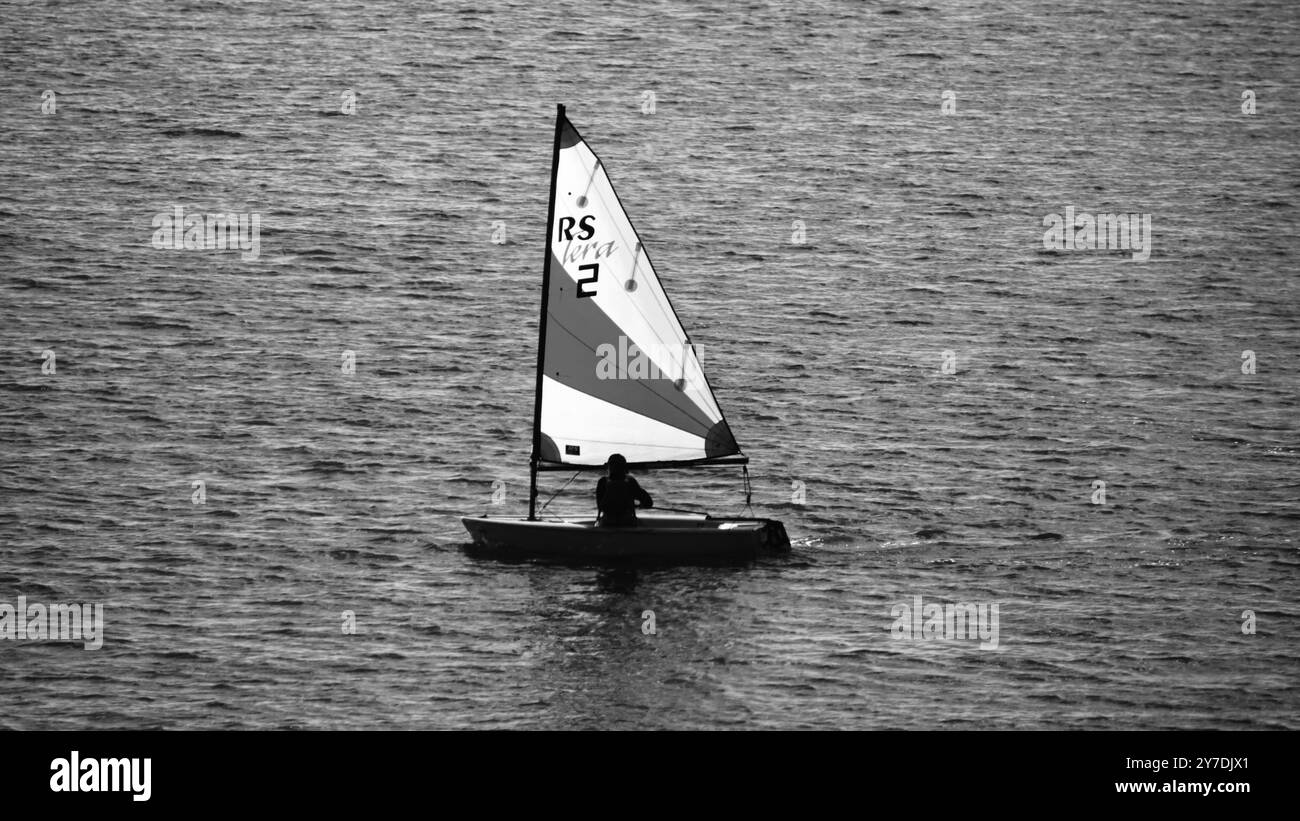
{"x":617,"y":372}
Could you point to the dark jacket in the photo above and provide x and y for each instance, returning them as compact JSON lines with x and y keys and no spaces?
{"x":616,"y":500}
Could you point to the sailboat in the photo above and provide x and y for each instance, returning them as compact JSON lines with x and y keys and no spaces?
{"x":616,"y":373}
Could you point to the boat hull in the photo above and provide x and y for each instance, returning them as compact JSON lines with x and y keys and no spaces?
{"x":657,"y":537}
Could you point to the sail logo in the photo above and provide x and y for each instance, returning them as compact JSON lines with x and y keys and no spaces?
{"x":567,"y":225}
{"x":926,"y":622}
{"x":54,"y":622}
{"x":631,"y":361}
{"x":179,"y":231}
{"x":75,"y":774}
{"x":586,"y":248}
{"x":1086,"y":232}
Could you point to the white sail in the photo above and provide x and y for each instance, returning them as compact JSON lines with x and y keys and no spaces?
{"x":619,"y":374}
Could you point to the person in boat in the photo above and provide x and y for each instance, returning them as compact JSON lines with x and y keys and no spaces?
{"x":617,"y":495}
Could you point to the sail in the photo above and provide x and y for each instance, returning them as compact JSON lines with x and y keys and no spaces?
{"x":618,"y":371}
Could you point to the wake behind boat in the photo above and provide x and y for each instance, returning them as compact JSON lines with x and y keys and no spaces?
{"x":616,"y":374}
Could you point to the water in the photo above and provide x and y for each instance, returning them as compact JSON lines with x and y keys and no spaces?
{"x":328,"y":493}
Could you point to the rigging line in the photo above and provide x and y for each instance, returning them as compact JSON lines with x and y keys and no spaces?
{"x":558,"y":492}
{"x":680,"y":510}
{"x":749,"y":491}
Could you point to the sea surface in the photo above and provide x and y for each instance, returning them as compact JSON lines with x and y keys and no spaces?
{"x":928,"y":395}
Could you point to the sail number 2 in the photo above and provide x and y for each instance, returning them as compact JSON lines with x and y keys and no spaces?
{"x":591,"y":280}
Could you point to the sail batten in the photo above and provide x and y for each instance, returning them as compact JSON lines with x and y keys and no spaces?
{"x":618,"y":372}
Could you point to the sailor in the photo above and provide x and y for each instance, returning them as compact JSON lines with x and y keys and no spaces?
{"x":617,"y":495}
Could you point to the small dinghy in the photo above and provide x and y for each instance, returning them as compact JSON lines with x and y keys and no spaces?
{"x":616,"y":373}
{"x":670,"y":537}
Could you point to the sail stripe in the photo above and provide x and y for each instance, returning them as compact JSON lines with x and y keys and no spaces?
{"x":580,"y":329}
{"x":672,"y":356}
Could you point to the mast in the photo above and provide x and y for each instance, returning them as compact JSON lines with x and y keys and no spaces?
{"x":541,"y":325}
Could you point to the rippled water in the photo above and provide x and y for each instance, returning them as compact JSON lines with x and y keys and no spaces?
{"x":327,"y":492}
